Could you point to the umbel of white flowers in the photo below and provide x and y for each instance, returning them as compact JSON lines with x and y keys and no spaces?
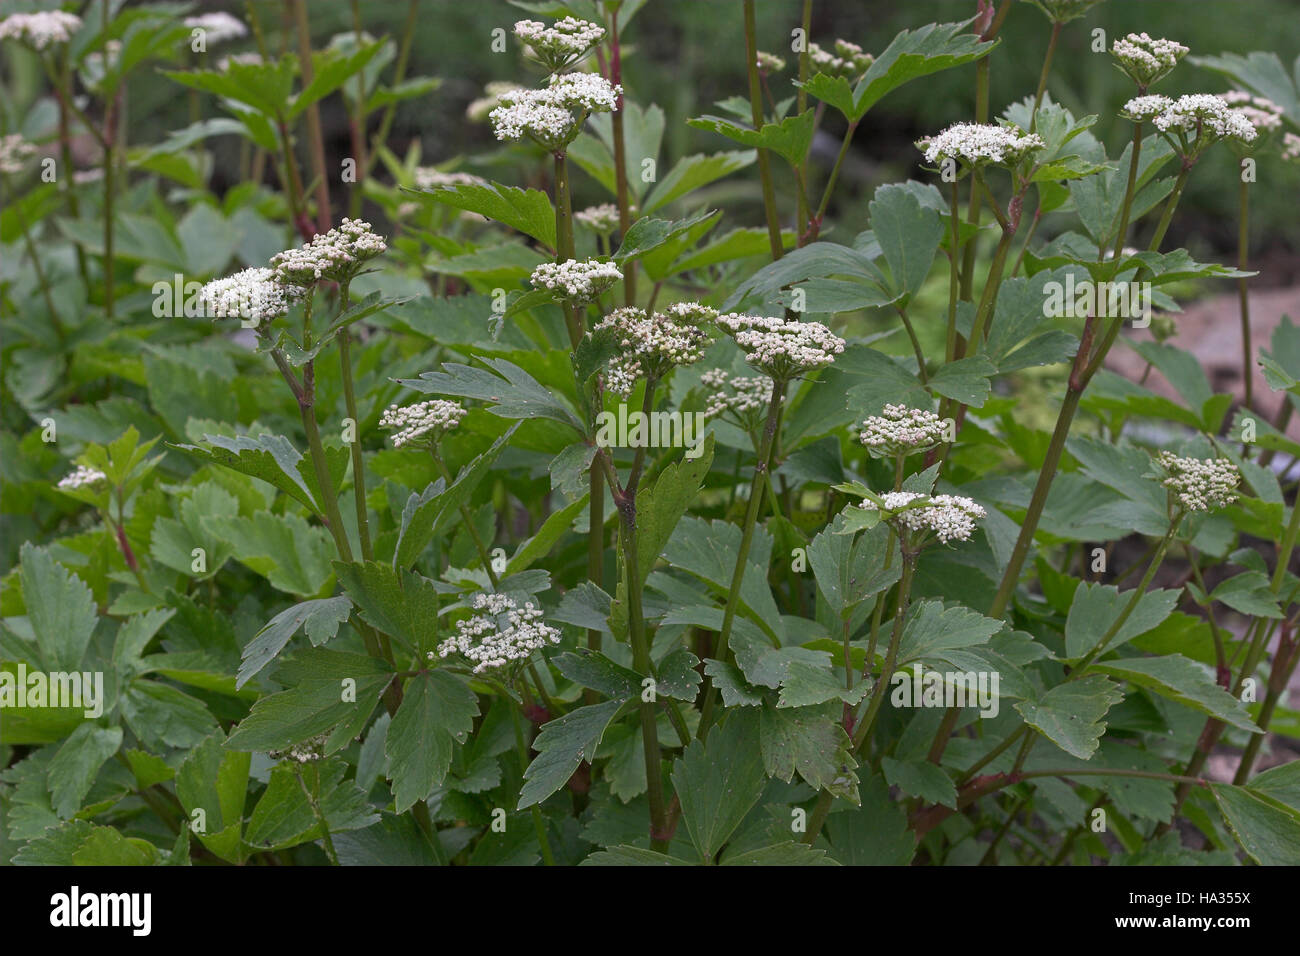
{"x":899,"y":430}
{"x":782,"y":348}
{"x":743,"y":397}
{"x":576,"y":280}
{"x":949,"y":517}
{"x":336,"y":256}
{"x":652,"y":344}
{"x":559,"y":45}
{"x":14,"y":152}
{"x":502,"y":632}
{"x":1145,"y":60}
{"x":977,"y":144}
{"x":40,"y":30}
{"x":217,"y":27}
{"x":553,"y":116}
{"x":601,"y":219}
{"x":848,"y":60}
{"x":426,"y":420}
{"x":1206,"y":116}
{"x":1199,"y":484}
{"x":83,"y":477}
{"x":255,"y":295}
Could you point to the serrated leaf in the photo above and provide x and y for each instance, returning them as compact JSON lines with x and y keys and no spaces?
{"x":1184,"y":681}
{"x":1267,"y":829}
{"x":1070,"y":714}
{"x":790,"y":138}
{"x":437,"y":710}
{"x":561,"y":745}
{"x":320,"y":620}
{"x":719,"y":783}
{"x":526,"y":210}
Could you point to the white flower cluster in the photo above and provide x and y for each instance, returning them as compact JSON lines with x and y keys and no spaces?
{"x":479,"y":109}
{"x":14,"y":151}
{"x":414,"y":421}
{"x":652,"y":345}
{"x":251,"y":58}
{"x":781,"y":348}
{"x":335,"y":255}
{"x":39,"y":30}
{"x":305,"y":752}
{"x":1199,"y":483}
{"x":552,"y":116}
{"x":82,"y":478}
{"x":578,"y":280}
{"x":899,"y":430}
{"x":1146,"y":60}
{"x":254,"y":294}
{"x":744,"y":396}
{"x":484,"y":640}
{"x":949,"y":517}
{"x":1261,"y":113}
{"x":769,"y":62}
{"x":1143,"y":108}
{"x":562,"y":43}
{"x":1205,"y":114}
{"x":1291,"y":147}
{"x":217,"y":27}
{"x":978,"y":143}
{"x":426,"y":177}
{"x":848,"y":60}
{"x":602,"y":219}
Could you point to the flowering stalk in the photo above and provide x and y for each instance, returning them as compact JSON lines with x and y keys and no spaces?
{"x":468,"y":518}
{"x":317,"y":142}
{"x":620,"y":154}
{"x":1042,"y":78}
{"x":109,"y":141}
{"x":756,"y":111}
{"x":1243,"y":260}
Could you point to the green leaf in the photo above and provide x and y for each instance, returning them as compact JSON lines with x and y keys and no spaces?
{"x":320,"y":619}
{"x":661,"y":507}
{"x":331,"y":68}
{"x":271,"y":458}
{"x":908,"y":233}
{"x":677,"y":676}
{"x":437,"y":709}
{"x":877,"y":834}
{"x":512,"y":391}
{"x":597,"y":672}
{"x":393,"y":841}
{"x":931,"y":629}
{"x":1184,"y":681}
{"x":1281,"y":783}
{"x":1263,"y":73}
{"x":736,"y":691}
{"x":780,"y":854}
{"x":527,"y":210}
{"x":848,"y":568}
{"x":646,"y":234}
{"x":1070,"y":714}
{"x":284,"y":817}
{"x":401,"y":604}
{"x":631,"y":856}
{"x":920,"y":778}
{"x":556,"y":525}
{"x":214,"y":780}
{"x":1250,"y":593}
{"x":60,"y":608}
{"x":815,"y":260}
{"x":719,"y":783}
{"x":77,"y":763}
{"x":107,"y":847}
{"x":163,"y":716}
{"x":789,"y":138}
{"x":430,"y":512}
{"x":812,"y":741}
{"x":561,"y":745}
{"x":292,"y":554}
{"x":1267,"y":829}
{"x":692,"y":172}
{"x":1097,"y":606}
{"x":966,"y":380}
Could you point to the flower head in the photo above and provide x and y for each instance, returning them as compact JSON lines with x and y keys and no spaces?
{"x":848,"y":60}
{"x":1145,"y":60}
{"x":501,"y":632}
{"x":336,"y":255}
{"x":783,"y":349}
{"x":652,"y":344}
{"x":552,"y":116}
{"x":254,"y":295}
{"x":743,"y":398}
{"x":975,"y":144}
{"x":40,"y":30}
{"x":422,"y":420}
{"x":1263,"y":114}
{"x":899,"y":430}
{"x":81,"y":478}
{"x":1208,"y":116}
{"x":217,"y":27}
{"x":602,"y":219}
{"x":559,"y":45}
{"x":14,"y":151}
{"x":947,"y":517}
{"x":577,"y":280}
{"x":1199,"y":484}
{"x":769,"y":62}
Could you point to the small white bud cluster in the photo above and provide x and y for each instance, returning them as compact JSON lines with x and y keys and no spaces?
{"x":949,"y":517}
{"x":553,"y":116}
{"x":255,"y":294}
{"x":783,"y":349}
{"x":602,"y":219}
{"x":432,"y":418}
{"x":1261,"y":113}
{"x":14,"y":151}
{"x":307,"y":751}
{"x":1199,"y":484}
{"x":848,"y":60}
{"x":335,"y":255}
{"x":1207,"y":115}
{"x":769,"y":62}
{"x":561,"y":44}
{"x":977,"y":143}
{"x":479,"y":109}
{"x":427,"y":177}
{"x":652,"y":345}
{"x":577,"y":280}
{"x":483,"y":640}
{"x":1146,"y":60}
{"x":40,"y":30}
{"x":81,"y":478}
{"x":218,"y":27}
{"x":744,"y":397}
{"x":899,"y":430}
{"x":1291,"y":147}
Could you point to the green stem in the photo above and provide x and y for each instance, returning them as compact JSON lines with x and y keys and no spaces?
{"x":822,"y":206}
{"x":465,"y":515}
{"x":358,"y":462}
{"x":314,"y":137}
{"x":1042,"y":77}
{"x":801,"y":104}
{"x":1243,"y":260}
{"x":620,"y":158}
{"x":564,"y":240}
{"x":756,"y":111}
{"x":954,"y":278}
{"x":539,"y":824}
{"x":313,"y":800}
